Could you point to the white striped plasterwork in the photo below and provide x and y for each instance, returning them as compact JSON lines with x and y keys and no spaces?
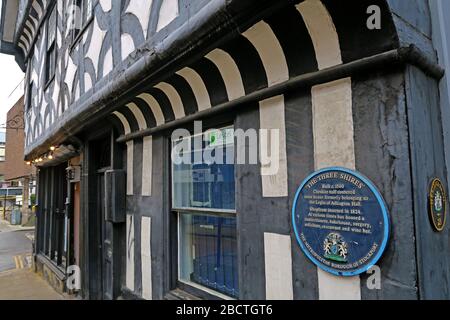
{"x":273,"y":125}
{"x":130,"y":167}
{"x":146,"y":258}
{"x":130,"y":253}
{"x":278,"y":267}
{"x":147,"y":166}
{"x":138,"y":115}
{"x":272,"y":111}
{"x":322,"y":32}
{"x":154,"y":106}
{"x":174,"y":98}
{"x":198,"y":87}
{"x":332,"y":125}
{"x":230,"y":73}
{"x":270,"y":51}
{"x":334,"y":146}
{"x":168,"y":12}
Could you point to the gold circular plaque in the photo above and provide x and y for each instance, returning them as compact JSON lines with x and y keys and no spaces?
{"x":438,"y":205}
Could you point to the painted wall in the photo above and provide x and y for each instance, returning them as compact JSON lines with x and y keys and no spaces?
{"x":115,"y":32}
{"x":374,"y":105}
{"x":383,"y":126}
{"x":382,"y":154}
{"x":428,"y":162}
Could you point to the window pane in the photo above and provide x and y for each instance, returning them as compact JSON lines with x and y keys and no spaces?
{"x":203,"y":175}
{"x":30,"y":96}
{"x":50,"y":64}
{"x":208,"y":252}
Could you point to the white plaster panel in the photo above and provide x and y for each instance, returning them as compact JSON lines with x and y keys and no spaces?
{"x":154,"y":106}
{"x":35,"y":22}
{"x":24,"y":40}
{"x":95,"y":46}
{"x":322,"y":32}
{"x":125,"y":123}
{"x":332,"y":287}
{"x":130,"y":168}
{"x":278,"y":267}
{"x":147,"y":167}
{"x":334,"y":146}
{"x":198,"y":87}
{"x":270,"y":51}
{"x":174,"y":98}
{"x":229,"y":71}
{"x":71,"y":69}
{"x":106,"y":5}
{"x":274,"y":175}
{"x":130,"y":252}
{"x":168,"y":12}
{"x":127,"y":45}
{"x":146,"y":258}
{"x":108,"y":63}
{"x":139,"y":116}
{"x":38,"y":8}
{"x":333,"y":125}
{"x":28,"y":23}
{"x":141,"y":9}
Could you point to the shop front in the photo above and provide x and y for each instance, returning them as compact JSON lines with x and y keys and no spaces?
{"x":240,"y":150}
{"x":56,"y":245}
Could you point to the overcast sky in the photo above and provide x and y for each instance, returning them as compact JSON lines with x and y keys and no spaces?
{"x":10,"y":77}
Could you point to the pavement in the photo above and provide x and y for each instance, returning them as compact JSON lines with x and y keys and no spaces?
{"x":5,"y":226}
{"x":24,"y":284}
{"x":17,"y":279}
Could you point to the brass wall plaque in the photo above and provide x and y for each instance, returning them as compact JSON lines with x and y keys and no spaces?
{"x":438,"y":205}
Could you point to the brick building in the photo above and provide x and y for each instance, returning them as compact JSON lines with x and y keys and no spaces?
{"x":16,"y":171}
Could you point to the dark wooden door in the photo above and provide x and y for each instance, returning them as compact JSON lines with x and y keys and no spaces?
{"x":106,"y":240}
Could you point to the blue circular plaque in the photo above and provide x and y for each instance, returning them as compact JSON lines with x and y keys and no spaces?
{"x":340,"y":221}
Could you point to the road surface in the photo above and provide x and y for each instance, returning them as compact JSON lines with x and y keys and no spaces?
{"x":15,"y":249}
{"x":17,"y":279}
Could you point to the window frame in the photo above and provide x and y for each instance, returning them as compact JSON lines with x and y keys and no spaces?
{"x":52,"y":216}
{"x":215,"y":211}
{"x":76,"y":34}
{"x":190,"y":287}
{"x":29,"y":96}
{"x":51,"y":49}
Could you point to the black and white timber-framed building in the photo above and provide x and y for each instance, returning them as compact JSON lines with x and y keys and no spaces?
{"x":107,"y":86}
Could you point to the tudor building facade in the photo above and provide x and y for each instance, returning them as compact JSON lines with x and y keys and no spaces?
{"x":108,"y":82}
